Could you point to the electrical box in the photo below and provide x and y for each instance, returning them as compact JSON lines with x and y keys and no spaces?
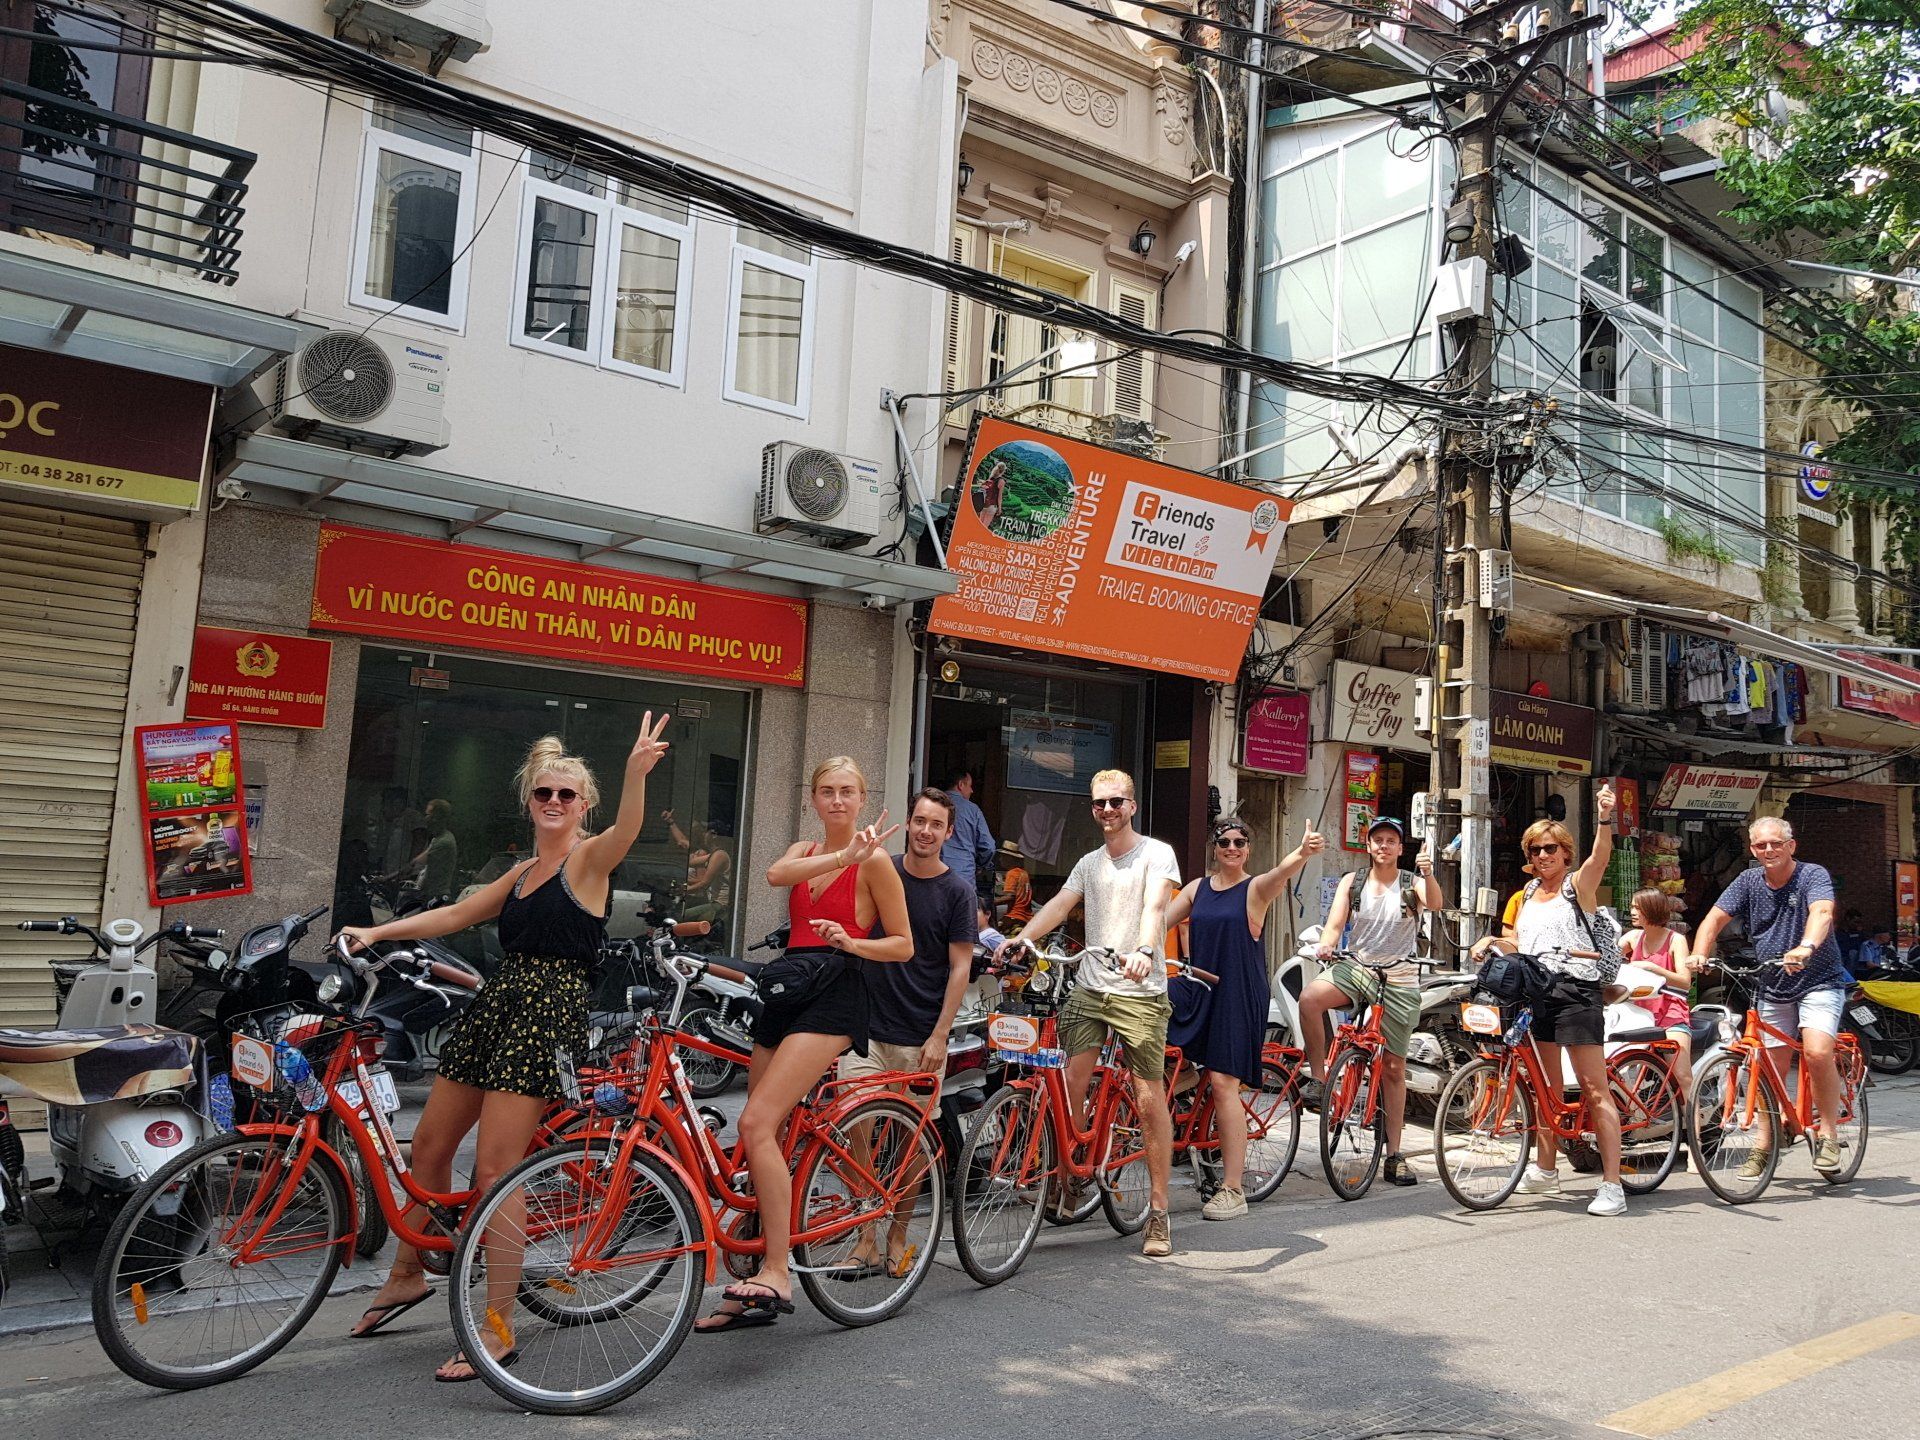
{"x":1423,"y":705}
{"x":1460,"y":290}
{"x":1496,"y":581}
{"x":1417,"y":815}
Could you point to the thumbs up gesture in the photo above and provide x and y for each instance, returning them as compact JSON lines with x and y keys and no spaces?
{"x":1423,"y":862}
{"x":1313,"y":842}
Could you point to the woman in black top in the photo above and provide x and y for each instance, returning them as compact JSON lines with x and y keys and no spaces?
{"x":499,"y":1068}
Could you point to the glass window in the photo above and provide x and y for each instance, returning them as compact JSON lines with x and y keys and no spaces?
{"x":560,"y":275}
{"x":646,"y":299}
{"x":1740,"y":320}
{"x":416,"y":217}
{"x":662,"y":207}
{"x":770,"y":323}
{"x":1600,"y":245}
{"x":1301,"y":209}
{"x":1297,"y":320}
{"x":1295,"y":426}
{"x":771,"y":244}
{"x":1379,"y":183}
{"x":1646,"y":486}
{"x":428,"y":129}
{"x":1384,"y":281}
{"x":1557,"y":336}
{"x":461,"y":745}
{"x":1560,"y":230}
{"x":1643,"y":385}
{"x":1646,"y":269}
{"x":1693,"y":303}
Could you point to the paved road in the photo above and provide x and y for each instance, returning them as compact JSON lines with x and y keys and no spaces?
{"x":1311,"y":1319}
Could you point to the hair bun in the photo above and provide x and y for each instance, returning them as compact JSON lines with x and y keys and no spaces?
{"x":545,"y":750}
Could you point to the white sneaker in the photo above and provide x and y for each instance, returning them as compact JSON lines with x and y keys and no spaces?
{"x":1611,"y":1199}
{"x":1540,"y":1182}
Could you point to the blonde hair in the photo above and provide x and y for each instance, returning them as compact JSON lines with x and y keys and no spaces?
{"x":1113,"y":777}
{"x":1547,"y":830}
{"x":548,"y":756}
{"x":837,"y":762}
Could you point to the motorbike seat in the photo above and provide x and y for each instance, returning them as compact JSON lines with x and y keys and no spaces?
{"x":749,"y":968}
{"x":90,"y":1067}
{"x":1647,"y":1032}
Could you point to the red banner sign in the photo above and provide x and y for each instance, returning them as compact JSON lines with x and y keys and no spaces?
{"x":1906,"y":902}
{"x":370,"y":582}
{"x":1275,"y":738}
{"x":1897,"y":704}
{"x":192,"y":811}
{"x":258,"y":676}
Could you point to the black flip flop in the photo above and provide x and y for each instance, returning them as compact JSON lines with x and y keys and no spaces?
{"x":859,"y":1270}
{"x":744,"y":1320}
{"x":505,"y":1362}
{"x":388,"y":1314}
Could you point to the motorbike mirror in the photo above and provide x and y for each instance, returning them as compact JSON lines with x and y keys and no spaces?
{"x":1310,"y":935}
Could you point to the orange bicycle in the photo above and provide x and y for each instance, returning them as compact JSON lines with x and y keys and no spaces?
{"x":1741,"y":1101}
{"x":1493,"y":1107}
{"x":1025,"y":1147}
{"x":1273,"y":1120}
{"x":1353,"y":1113}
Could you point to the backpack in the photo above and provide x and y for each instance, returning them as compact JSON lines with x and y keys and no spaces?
{"x":1514,"y":979}
{"x":1409,"y":899}
{"x":1603,"y":929}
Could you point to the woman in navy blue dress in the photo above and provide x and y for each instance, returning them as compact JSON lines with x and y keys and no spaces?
{"x":1225,"y":913}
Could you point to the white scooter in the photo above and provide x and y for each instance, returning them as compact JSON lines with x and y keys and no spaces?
{"x":119,"y":1088}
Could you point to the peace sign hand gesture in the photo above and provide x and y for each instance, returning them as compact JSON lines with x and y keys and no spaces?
{"x":649,"y":747}
{"x":866,"y":841}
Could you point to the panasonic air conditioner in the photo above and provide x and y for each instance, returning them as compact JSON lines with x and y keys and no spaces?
{"x":815,"y":492}
{"x":380,"y":391}
{"x":436,"y":31}
{"x":1646,"y":667}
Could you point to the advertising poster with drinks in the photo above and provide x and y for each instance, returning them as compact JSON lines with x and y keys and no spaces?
{"x":1362,"y":798}
{"x":192,"y":811}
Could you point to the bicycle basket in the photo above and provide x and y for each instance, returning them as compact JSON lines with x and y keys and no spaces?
{"x":261,"y":1089}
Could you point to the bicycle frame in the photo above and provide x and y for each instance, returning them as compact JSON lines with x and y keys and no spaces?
{"x":1070,"y":1141}
{"x":1758,"y":1041}
{"x":1553,"y":1114}
{"x":1193,"y":1129}
{"x":1371,"y":1039}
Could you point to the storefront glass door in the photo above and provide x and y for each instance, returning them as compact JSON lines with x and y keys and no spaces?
{"x":430,"y":806}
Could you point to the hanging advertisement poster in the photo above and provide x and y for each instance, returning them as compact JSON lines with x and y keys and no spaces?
{"x":1056,"y":752}
{"x":1274,"y":738}
{"x":1626,"y":808}
{"x":1074,"y":549}
{"x":192,"y":811}
{"x":1361,"y":797}
{"x":1708,"y":792}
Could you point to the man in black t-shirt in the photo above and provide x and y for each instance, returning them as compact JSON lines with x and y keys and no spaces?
{"x":913,"y":1005}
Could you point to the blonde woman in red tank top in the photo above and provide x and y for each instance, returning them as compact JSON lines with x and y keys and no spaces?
{"x":847,"y":908}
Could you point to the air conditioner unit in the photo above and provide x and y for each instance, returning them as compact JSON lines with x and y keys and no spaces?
{"x":437,"y":30}
{"x":1646,"y":666}
{"x":382,"y":391}
{"x":816,"y":492}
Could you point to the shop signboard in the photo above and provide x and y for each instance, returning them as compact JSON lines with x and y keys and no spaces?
{"x":370,"y":582}
{"x":1708,"y":792}
{"x":1372,"y":705}
{"x":124,"y":437}
{"x":1061,"y":753}
{"x":1361,"y":771}
{"x":193,"y":806}
{"x":1077,"y":550}
{"x":1626,"y":806}
{"x":1906,"y":903}
{"x":1866,"y":699}
{"x":1274,"y":737}
{"x":1530,"y":733}
{"x":258,"y":676}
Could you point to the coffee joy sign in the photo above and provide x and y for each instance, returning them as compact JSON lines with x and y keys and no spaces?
{"x":1373,"y":706}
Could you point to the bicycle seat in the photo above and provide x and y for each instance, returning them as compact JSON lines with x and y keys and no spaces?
{"x":1649,"y":1032}
{"x":91,"y":1067}
{"x":750,"y":969}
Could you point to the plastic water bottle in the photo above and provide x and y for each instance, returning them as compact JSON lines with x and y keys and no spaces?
{"x":1517,"y":1031}
{"x":220,"y":1101}
{"x":295,"y":1070}
{"x":610,"y":1099}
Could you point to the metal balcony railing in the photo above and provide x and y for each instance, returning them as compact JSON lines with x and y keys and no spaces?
{"x":119,"y":184}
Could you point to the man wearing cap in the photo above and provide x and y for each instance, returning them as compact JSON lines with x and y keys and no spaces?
{"x":1384,"y":905}
{"x":1014,"y":894}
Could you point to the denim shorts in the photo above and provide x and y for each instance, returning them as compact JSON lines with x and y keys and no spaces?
{"x":1816,"y":1010}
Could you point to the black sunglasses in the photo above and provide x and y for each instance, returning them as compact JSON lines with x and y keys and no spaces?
{"x":1542,"y":849}
{"x":1110,"y":802}
{"x":1231,"y":842}
{"x":544,"y":793}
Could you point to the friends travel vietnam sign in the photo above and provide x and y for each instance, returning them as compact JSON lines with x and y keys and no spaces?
{"x":370,"y":582}
{"x":1078,"y":550}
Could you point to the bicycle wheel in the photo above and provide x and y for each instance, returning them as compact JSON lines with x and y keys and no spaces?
{"x":1898,"y":1048}
{"x":707,"y":1075}
{"x":175,"y":1305}
{"x":1726,"y":1141}
{"x":1089,"y":1202}
{"x":373,"y":1233}
{"x":1650,"y":1105}
{"x":1351,"y":1143}
{"x":1483,"y":1132}
{"x":1121,"y":1173}
{"x":630,"y":1298}
{"x":902,"y":1186}
{"x":1001,"y":1177}
{"x":1273,"y":1133}
{"x":1851,"y":1129}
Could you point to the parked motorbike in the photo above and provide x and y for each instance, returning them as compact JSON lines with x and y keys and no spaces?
{"x":124,"y":1094}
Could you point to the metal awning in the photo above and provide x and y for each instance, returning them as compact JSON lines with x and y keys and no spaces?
{"x":348,"y":485}
{"x":94,"y":314}
{"x":1738,"y":632}
{"x":1736,"y":745}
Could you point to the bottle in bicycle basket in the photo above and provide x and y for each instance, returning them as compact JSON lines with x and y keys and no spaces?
{"x":610,"y":1099}
{"x":1517,"y":1031}
{"x":220,"y":1101}
{"x":295,"y":1070}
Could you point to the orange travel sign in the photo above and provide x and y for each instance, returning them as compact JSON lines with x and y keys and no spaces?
{"x":1077,"y":550}
{"x":258,"y":676}
{"x":370,"y":582}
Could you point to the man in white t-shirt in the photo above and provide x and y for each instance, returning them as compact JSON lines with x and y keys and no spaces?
{"x":1126,"y":886}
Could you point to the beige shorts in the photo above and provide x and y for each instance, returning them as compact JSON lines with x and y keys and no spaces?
{"x":880,"y":1056}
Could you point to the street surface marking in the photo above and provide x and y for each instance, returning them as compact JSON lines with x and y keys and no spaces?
{"x":1678,"y":1409}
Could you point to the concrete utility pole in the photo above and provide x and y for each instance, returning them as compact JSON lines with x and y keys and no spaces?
{"x":1463,"y":660}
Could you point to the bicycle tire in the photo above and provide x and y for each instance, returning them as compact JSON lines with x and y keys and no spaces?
{"x":1275,"y":1109}
{"x":821,"y":1177}
{"x":666,"y":1226}
{"x":1898,"y":1049}
{"x":1350,"y":1090}
{"x":1484,"y":1107}
{"x":374,"y":1231}
{"x":1089,"y":1202}
{"x":1651,"y":1111}
{"x":158,"y":1215}
{"x":1852,"y":1128}
{"x":1122,"y":1175}
{"x":707,"y":1075}
{"x":988,"y":1187}
{"x":1717,"y":1135}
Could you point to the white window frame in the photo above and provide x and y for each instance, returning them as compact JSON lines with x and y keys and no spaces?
{"x":609,"y":217}
{"x":745,"y":252}
{"x":376,"y":139}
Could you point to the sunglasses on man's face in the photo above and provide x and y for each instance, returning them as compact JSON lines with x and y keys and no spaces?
{"x":566,"y":795}
{"x":1541,"y":849}
{"x":1110,"y":802}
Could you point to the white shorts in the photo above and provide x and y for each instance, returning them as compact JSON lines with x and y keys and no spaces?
{"x":1816,"y":1010}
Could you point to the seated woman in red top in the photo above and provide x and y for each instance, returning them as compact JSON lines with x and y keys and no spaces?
{"x":814,"y":1005}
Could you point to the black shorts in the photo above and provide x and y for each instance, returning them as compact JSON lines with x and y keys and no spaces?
{"x":812,"y":992}
{"x":1571,"y":1014}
